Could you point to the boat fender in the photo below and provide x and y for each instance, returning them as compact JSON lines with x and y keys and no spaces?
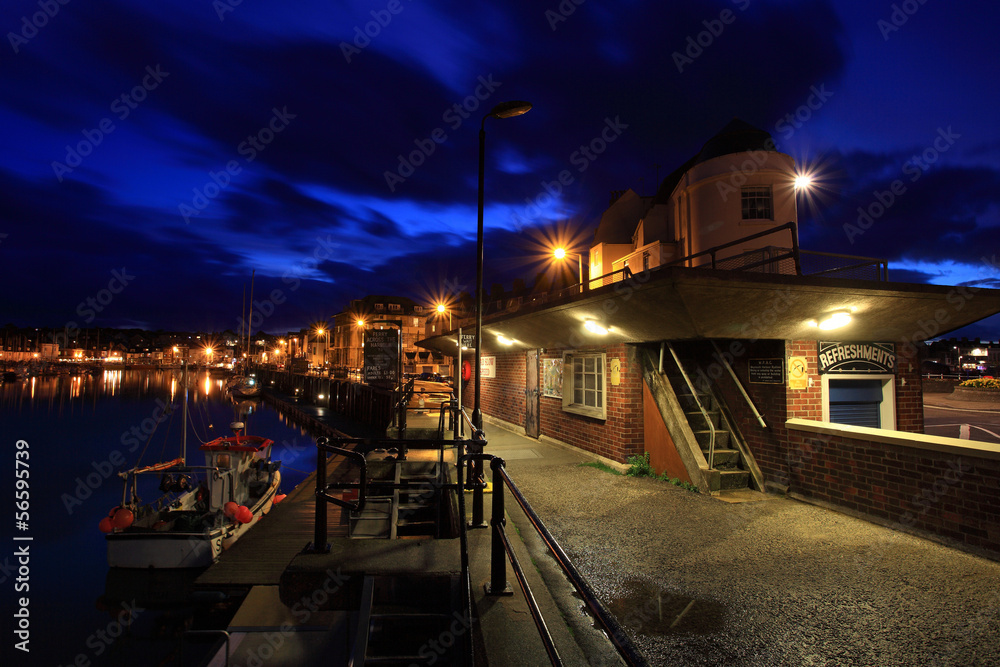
{"x":106,"y":525}
{"x":123,"y":518}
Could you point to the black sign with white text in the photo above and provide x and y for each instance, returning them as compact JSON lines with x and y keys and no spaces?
{"x":857,"y":358}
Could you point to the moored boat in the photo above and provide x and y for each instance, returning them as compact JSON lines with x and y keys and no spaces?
{"x":203,"y":509}
{"x":194,"y":522}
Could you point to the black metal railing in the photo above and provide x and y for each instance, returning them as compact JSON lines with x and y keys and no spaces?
{"x":501,"y":551}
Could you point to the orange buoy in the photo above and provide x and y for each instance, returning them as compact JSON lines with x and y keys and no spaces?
{"x":244,"y":515}
{"x":111,"y":512}
{"x":106,"y":525}
{"x":123,"y":518}
{"x":278,"y":498}
{"x":230,"y":509}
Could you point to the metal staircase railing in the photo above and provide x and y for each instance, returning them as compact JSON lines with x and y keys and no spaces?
{"x":697,"y":401}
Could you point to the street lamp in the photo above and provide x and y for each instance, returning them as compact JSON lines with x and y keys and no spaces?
{"x":319,"y":333}
{"x":560,"y":253}
{"x":502,"y":110}
{"x":441,"y":308}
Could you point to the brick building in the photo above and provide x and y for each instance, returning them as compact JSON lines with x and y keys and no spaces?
{"x":705,"y":337}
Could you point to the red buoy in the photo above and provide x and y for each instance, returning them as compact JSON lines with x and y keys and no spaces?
{"x":105,"y":525}
{"x":244,"y":515}
{"x":230,"y":509}
{"x":123,"y":518}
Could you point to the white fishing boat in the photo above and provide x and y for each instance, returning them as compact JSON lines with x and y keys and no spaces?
{"x":203,"y":509}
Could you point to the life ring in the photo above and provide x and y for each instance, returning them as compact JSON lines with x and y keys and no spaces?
{"x":466,"y":370}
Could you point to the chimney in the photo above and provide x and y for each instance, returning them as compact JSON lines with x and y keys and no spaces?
{"x":615,"y":196}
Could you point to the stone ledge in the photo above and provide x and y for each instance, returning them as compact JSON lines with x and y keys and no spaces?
{"x":974,"y":394}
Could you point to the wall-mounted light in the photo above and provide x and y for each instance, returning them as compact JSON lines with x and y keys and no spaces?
{"x":594,"y":327}
{"x":503,"y":340}
{"x":833,"y":320}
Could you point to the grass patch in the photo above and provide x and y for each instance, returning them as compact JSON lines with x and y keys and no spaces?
{"x":639,"y":466}
{"x":600,"y":466}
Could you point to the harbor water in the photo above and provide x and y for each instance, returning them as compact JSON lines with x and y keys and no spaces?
{"x":79,"y":431}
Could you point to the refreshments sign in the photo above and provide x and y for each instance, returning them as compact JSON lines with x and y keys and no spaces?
{"x":857,"y":358}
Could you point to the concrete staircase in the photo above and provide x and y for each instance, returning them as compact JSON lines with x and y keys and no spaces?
{"x":729,"y":462}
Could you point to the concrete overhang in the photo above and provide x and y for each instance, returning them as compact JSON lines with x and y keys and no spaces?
{"x":677,"y":303}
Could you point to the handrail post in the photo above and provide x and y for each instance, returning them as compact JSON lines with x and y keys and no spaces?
{"x":319,"y":544}
{"x":477,"y":491}
{"x":498,"y":556}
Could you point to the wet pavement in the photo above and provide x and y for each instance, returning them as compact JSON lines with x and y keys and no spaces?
{"x":771,"y":581}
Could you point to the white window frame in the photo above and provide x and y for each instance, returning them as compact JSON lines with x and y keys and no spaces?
{"x":887,"y":408}
{"x":569,"y":373}
{"x":754,"y":192}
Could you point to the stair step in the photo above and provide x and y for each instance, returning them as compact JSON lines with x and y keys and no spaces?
{"x":726,"y":459}
{"x":704,"y":437}
{"x":695,"y":417}
{"x":734,"y":479}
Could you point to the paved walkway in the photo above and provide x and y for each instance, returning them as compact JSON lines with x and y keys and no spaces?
{"x":697,"y":581}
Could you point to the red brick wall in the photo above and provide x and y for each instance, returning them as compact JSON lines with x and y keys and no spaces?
{"x":909,"y":393}
{"x":955,"y":496}
{"x":617,"y":437}
{"x":503,"y":396}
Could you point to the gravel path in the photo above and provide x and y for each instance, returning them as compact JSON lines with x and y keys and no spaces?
{"x":698,"y":581}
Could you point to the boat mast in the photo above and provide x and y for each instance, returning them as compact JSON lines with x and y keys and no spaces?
{"x":250,"y":319}
{"x":184,"y":412}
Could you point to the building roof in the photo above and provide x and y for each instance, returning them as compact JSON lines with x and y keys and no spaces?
{"x":736,"y":137}
{"x":620,"y":219}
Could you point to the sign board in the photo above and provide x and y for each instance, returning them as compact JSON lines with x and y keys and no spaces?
{"x":856,"y":357}
{"x":766,"y":371}
{"x":487,"y":367}
{"x":382,"y":356}
{"x":469,"y":341}
{"x":798,"y":373}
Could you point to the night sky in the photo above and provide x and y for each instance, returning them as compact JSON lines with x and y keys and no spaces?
{"x":155,"y":154}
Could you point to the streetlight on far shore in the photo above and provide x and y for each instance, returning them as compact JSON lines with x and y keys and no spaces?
{"x":502,"y":110}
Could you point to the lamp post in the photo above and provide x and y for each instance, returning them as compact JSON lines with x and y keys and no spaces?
{"x":502,"y":110}
{"x":442,"y":309}
{"x":560,"y":253}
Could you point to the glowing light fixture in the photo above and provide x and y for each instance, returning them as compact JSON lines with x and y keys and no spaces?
{"x":594,"y":327}
{"x":834,"y":320}
{"x":440,"y":308}
{"x":505,"y":341}
{"x":361,"y":323}
{"x":559,"y":253}
{"x":803,"y":181}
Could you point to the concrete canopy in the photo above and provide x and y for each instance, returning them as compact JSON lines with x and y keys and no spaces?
{"x":678,"y":303}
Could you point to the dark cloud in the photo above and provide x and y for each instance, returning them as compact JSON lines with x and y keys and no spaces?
{"x":283,"y":145}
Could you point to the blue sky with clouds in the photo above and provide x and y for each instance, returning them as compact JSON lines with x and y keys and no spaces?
{"x":192,"y":142}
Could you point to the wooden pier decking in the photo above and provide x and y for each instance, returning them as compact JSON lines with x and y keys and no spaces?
{"x":262,"y":554}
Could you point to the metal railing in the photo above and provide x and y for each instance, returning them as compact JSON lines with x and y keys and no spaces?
{"x":501,"y":551}
{"x":713,"y":253}
{"x":697,"y":401}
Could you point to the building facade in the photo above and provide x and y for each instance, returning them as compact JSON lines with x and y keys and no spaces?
{"x":731,"y":367}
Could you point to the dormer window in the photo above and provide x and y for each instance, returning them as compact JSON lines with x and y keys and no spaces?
{"x":395,"y":307}
{"x":379,"y":306}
